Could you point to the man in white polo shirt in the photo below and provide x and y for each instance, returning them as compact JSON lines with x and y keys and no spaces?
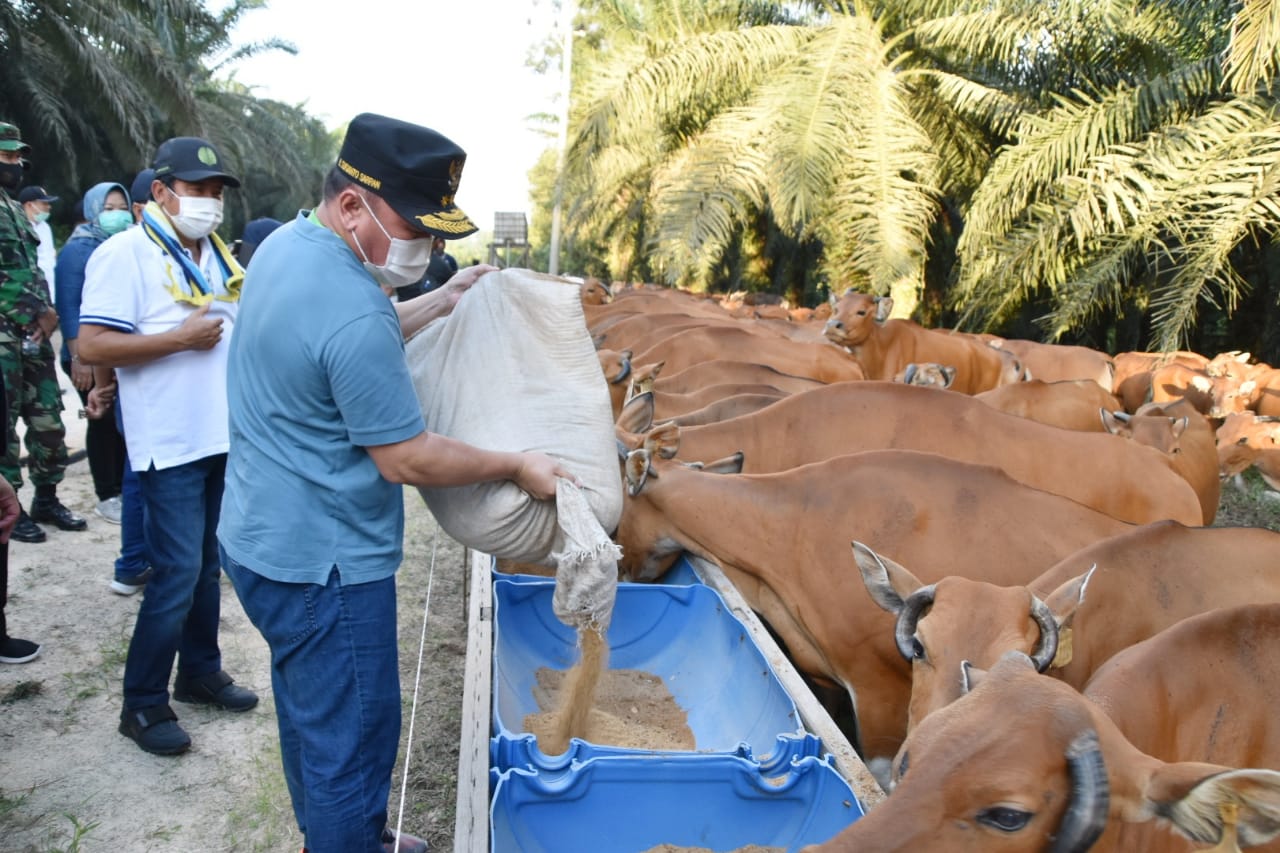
{"x":159,"y":306}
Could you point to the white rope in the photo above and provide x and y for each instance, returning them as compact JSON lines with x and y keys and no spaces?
{"x":417,"y":679}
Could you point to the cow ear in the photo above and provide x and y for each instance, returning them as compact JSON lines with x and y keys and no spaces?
{"x":1114,"y":422}
{"x":637,"y":413}
{"x":949,"y":374}
{"x":638,"y":471}
{"x":970,"y":676}
{"x":884,"y":306}
{"x":1064,"y":601}
{"x":888,"y":583}
{"x":663,"y":441}
{"x":728,"y":465}
{"x":1236,"y":808}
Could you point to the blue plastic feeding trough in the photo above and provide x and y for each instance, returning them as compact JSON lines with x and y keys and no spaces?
{"x":629,"y":805}
{"x":685,"y":635}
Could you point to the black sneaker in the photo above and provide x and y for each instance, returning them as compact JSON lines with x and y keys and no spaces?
{"x":13,"y":650}
{"x":155,"y":730}
{"x":51,"y":511}
{"x":215,"y":689}
{"x":26,"y":530}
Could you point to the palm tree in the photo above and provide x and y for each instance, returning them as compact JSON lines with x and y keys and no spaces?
{"x":97,"y":84}
{"x":833,"y":127}
{"x":85,"y":80}
{"x":1136,"y":189}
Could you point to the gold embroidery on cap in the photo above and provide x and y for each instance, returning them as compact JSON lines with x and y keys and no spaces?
{"x":455,"y":222}
{"x":359,"y":176}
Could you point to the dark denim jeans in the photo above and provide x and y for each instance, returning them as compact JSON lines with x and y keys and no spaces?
{"x":336,"y":679}
{"x":133,"y":543}
{"x":182,"y":602}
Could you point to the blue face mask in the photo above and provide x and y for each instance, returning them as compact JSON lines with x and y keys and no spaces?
{"x":114,"y":221}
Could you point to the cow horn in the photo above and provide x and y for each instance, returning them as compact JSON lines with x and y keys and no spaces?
{"x":912,"y":609}
{"x":623,"y":373}
{"x":911,"y":372}
{"x":1047,"y":648}
{"x":1086,"y":814}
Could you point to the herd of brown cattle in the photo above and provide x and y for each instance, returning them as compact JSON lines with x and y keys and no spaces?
{"x":1007,"y":573}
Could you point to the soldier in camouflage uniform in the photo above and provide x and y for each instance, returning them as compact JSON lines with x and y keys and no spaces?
{"x":27,"y":319}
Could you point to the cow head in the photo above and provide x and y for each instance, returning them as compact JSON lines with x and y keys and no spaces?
{"x":643,"y":377}
{"x":855,"y":317}
{"x":1242,"y":438}
{"x":930,"y":375}
{"x":1158,"y":431}
{"x":617,"y":372}
{"x":1025,"y":763}
{"x":650,"y":531}
{"x":594,"y":292}
{"x":937,"y":626}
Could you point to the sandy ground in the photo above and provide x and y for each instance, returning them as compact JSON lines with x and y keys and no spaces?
{"x":70,"y":782}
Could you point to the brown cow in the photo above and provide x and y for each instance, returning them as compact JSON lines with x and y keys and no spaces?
{"x":1071,"y":404}
{"x":1121,"y":478}
{"x":617,"y":370}
{"x":1077,"y":614}
{"x":1247,"y":439}
{"x":783,"y":539}
{"x":822,"y":362}
{"x":1186,"y":439}
{"x":717,"y":371}
{"x":1129,"y":363}
{"x":1024,"y":763}
{"x":1060,"y":362}
{"x":1166,"y":384}
{"x":668,"y":406}
{"x":728,"y":407}
{"x":929,"y":375}
{"x":884,"y":347}
{"x":594,"y":292}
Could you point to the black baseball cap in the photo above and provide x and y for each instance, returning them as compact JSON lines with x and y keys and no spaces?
{"x":35,"y":194}
{"x":412,"y":168}
{"x":189,"y":158}
{"x":140,"y":189}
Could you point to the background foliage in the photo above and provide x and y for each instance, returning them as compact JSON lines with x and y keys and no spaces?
{"x":96,"y":85}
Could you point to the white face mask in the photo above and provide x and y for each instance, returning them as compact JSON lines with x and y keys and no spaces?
{"x":406,"y":262}
{"x":196,"y":217}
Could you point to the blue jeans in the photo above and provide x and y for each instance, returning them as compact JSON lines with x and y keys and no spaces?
{"x":133,"y":543}
{"x":180,"y":608}
{"x":336,"y":679}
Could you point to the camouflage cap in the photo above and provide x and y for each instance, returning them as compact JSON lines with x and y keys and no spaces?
{"x":11,"y":138}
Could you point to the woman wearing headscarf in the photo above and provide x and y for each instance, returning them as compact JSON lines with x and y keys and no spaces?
{"x":106,"y":211}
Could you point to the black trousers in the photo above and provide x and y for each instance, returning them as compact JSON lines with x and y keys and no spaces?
{"x":105,"y":447}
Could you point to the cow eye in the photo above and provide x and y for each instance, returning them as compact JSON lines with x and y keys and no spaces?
{"x":917,"y":649}
{"x":902,"y":765}
{"x":1004,"y":819}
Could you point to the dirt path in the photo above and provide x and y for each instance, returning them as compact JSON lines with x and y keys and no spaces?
{"x":70,"y":782}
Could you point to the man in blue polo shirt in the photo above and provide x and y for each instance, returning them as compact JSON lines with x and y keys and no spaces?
{"x":325,"y":429}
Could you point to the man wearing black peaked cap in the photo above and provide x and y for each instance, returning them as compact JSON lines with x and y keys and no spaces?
{"x":325,"y":427}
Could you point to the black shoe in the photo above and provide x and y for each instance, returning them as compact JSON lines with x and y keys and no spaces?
{"x":408,"y":843}
{"x":13,"y":650}
{"x":215,"y":689}
{"x":155,"y":730}
{"x":26,"y":530}
{"x":51,"y":511}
